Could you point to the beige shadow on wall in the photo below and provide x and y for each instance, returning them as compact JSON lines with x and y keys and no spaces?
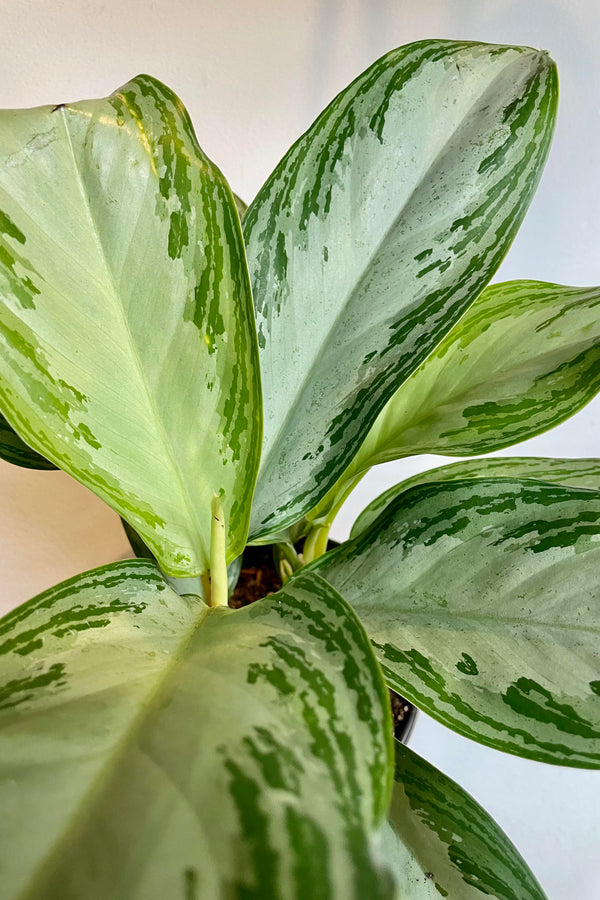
{"x":51,"y":528}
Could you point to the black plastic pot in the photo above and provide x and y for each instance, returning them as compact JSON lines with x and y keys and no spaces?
{"x":404,"y":719}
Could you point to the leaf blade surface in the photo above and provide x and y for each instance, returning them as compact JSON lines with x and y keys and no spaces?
{"x":129,"y":350}
{"x":16,"y":451}
{"x":155,"y":744}
{"x":583,"y":473}
{"x":481,"y":600}
{"x":524,"y":357}
{"x":445,"y":844}
{"x":371,"y":238}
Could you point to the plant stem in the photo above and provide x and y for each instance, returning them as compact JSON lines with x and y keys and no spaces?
{"x":206,"y":591}
{"x":315,"y":544}
{"x":286,"y":560}
{"x":218,"y":587}
{"x":285,"y":571}
{"x":327,"y":509}
{"x":317,"y":538}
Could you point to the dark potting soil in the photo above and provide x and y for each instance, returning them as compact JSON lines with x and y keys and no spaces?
{"x":258,"y":578}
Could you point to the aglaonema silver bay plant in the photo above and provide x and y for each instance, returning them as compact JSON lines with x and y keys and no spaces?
{"x":222,"y":377}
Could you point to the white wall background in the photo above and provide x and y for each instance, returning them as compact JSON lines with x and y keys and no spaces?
{"x":253,"y":76}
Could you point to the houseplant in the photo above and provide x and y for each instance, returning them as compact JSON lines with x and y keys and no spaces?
{"x":159,"y":744}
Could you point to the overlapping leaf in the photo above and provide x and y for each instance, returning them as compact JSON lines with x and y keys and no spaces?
{"x":128,"y":344}
{"x":524,"y":357}
{"x":16,"y":451}
{"x":181,"y":585}
{"x":482,"y":600}
{"x":152,"y":748}
{"x":583,"y":473}
{"x":371,"y":238}
{"x":443,"y":844}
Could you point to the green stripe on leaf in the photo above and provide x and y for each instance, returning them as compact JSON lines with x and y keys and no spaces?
{"x":481,"y":600}
{"x":441,"y":843}
{"x":583,"y":473}
{"x":148,"y":743}
{"x":133,"y":365}
{"x":363,"y":253}
{"x":16,"y":451}
{"x":524,"y":357}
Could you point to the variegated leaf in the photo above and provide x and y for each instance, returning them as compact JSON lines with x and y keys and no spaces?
{"x":128,"y":344}
{"x":181,"y":585}
{"x":151,"y":748}
{"x":524,"y":357}
{"x":14,"y":450}
{"x":373,"y":235}
{"x":482,"y":600}
{"x":136,"y":543}
{"x":240,"y":206}
{"x":441,"y":843}
{"x":584,"y":473}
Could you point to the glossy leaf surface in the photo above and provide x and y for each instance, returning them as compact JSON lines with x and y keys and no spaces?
{"x":524,"y":357}
{"x":374,"y":234}
{"x":583,"y":473}
{"x":443,"y":844}
{"x":15,"y":451}
{"x":482,"y":600}
{"x":151,"y":748}
{"x":128,"y":344}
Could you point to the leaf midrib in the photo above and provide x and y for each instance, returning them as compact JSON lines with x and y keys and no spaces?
{"x":411,"y":615}
{"x":160,"y":431}
{"x":365,"y":272}
{"x":105,"y":771}
{"x":432,"y":411}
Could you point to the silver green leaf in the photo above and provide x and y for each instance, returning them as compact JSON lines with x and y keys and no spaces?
{"x":129,"y":353}
{"x":524,"y":357}
{"x":373,"y":236}
{"x":15,"y":451}
{"x":441,"y":843}
{"x":584,"y":473}
{"x":481,"y":599}
{"x":153,"y":748}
